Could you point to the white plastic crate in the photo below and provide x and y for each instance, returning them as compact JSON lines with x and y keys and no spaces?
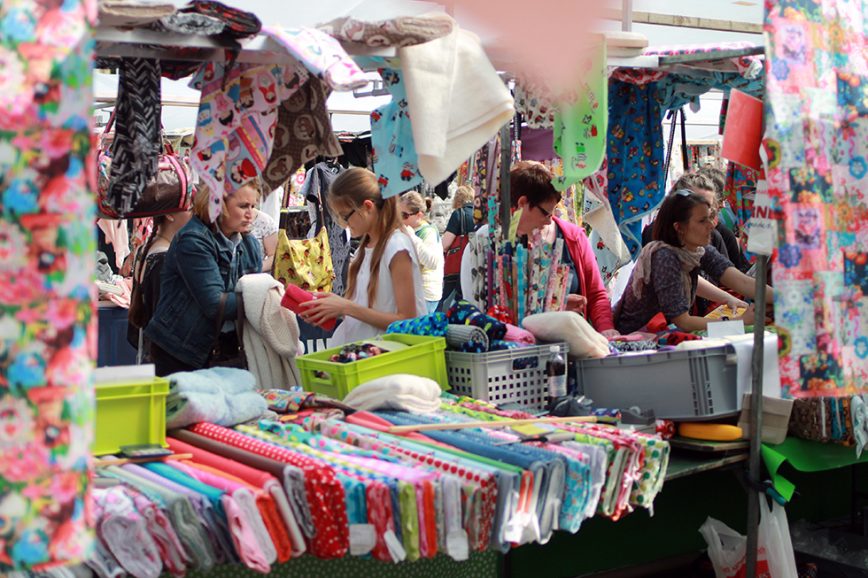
{"x":510,"y":376}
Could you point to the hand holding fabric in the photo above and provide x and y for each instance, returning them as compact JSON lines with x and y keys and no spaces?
{"x":325,"y":307}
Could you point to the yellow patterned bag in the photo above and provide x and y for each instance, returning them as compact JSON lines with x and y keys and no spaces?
{"x":306,"y":263}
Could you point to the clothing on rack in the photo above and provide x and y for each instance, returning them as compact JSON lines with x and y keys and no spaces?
{"x":317,"y":184}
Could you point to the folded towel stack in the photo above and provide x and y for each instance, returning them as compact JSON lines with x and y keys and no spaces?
{"x":221,"y":395}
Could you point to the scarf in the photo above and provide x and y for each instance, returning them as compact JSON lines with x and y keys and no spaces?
{"x":642,"y":271}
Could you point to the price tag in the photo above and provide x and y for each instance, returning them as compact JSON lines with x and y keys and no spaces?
{"x":396,"y":549}
{"x":363,"y":538}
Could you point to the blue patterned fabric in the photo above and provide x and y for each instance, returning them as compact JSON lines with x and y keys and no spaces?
{"x":635,"y":156}
{"x":433,"y":324}
{"x":394,"y":154}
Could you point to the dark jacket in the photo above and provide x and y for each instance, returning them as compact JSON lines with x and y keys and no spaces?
{"x":201,"y":265}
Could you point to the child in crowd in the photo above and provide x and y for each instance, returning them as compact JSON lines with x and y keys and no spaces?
{"x":384,"y":283}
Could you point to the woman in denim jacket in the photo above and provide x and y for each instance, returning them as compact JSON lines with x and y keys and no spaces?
{"x":197,"y":288}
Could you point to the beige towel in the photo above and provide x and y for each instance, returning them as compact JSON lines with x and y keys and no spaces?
{"x":271,"y":335}
{"x":456,"y":99}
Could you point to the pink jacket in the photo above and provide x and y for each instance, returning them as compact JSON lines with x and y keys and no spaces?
{"x":599,"y":310}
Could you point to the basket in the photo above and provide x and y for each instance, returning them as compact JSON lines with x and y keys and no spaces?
{"x":424,"y":357}
{"x":130,"y":412}
{"x":694,"y":384}
{"x":499,"y":377}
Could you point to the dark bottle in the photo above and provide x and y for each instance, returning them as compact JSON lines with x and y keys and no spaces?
{"x":556,"y":371}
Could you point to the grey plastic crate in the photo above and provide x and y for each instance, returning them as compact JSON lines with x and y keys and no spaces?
{"x":694,"y":385}
{"x":510,"y":376}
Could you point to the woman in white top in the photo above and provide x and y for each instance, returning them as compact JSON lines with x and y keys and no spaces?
{"x":384,"y":283}
{"x":426,"y":239}
{"x":264,"y":230}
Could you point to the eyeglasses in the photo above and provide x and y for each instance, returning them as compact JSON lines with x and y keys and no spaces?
{"x":406,"y":216}
{"x":346,"y":218}
{"x":546,"y":213}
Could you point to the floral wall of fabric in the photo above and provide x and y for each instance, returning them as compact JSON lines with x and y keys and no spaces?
{"x":47,"y":264}
{"x":816,"y":117}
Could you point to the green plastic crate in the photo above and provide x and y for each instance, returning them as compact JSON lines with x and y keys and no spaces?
{"x":131,"y":412}
{"x":424,"y":357}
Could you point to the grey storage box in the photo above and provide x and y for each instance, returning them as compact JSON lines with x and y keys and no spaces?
{"x":511,"y":376}
{"x":689,"y":385}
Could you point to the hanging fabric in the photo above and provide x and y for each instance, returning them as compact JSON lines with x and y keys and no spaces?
{"x":635,"y":157}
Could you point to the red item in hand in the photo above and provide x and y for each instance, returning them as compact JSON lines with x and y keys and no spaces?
{"x":293,"y":299}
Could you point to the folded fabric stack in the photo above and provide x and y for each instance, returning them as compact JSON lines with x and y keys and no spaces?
{"x":220,"y":395}
{"x":840,"y":420}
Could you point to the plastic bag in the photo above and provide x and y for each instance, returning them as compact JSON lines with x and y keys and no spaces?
{"x":726,"y":547}
{"x":774,"y":536}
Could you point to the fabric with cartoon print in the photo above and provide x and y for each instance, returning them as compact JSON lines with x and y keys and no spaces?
{"x":303,"y":132}
{"x":238,"y":108}
{"x":394,"y":154}
{"x":236,"y":123}
{"x":580,"y":127}
{"x":634,"y":154}
{"x":816,"y":119}
{"x":47,"y":266}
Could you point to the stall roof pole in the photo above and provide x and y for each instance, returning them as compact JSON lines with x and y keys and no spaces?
{"x":756,"y":409}
{"x":505,"y":160}
{"x":626,"y":15}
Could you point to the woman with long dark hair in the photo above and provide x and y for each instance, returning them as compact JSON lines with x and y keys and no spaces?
{"x":666,"y":274}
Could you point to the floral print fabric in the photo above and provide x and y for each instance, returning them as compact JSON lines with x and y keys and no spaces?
{"x":816,"y":119}
{"x":47,"y":264}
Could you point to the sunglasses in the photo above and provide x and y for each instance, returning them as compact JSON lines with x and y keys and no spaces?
{"x":406,"y":216}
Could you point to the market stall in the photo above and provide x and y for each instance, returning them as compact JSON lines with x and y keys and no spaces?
{"x":465,"y":441}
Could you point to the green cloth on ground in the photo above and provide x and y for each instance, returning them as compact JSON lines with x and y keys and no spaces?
{"x":805,"y":456}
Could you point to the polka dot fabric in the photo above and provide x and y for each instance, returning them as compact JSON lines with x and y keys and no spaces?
{"x":325,"y":493}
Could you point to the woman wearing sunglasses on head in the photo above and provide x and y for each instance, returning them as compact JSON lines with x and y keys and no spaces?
{"x":666,"y":274}
{"x":532,"y":192}
{"x":426,"y":239}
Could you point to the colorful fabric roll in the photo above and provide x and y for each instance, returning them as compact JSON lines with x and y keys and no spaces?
{"x":432,"y":325}
{"x":464,"y":313}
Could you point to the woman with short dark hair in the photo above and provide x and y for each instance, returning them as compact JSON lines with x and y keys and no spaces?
{"x":666,"y":273}
{"x":532,"y":192}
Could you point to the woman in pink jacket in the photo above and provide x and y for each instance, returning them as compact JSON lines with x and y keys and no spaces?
{"x":532,"y":192}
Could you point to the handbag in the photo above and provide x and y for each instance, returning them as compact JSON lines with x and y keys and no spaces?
{"x":305,"y":263}
{"x":229,"y":352}
{"x":452,"y":264}
{"x":169,"y":191}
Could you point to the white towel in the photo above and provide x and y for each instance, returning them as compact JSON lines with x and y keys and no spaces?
{"x":456,"y":99}
{"x":400,"y":391}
